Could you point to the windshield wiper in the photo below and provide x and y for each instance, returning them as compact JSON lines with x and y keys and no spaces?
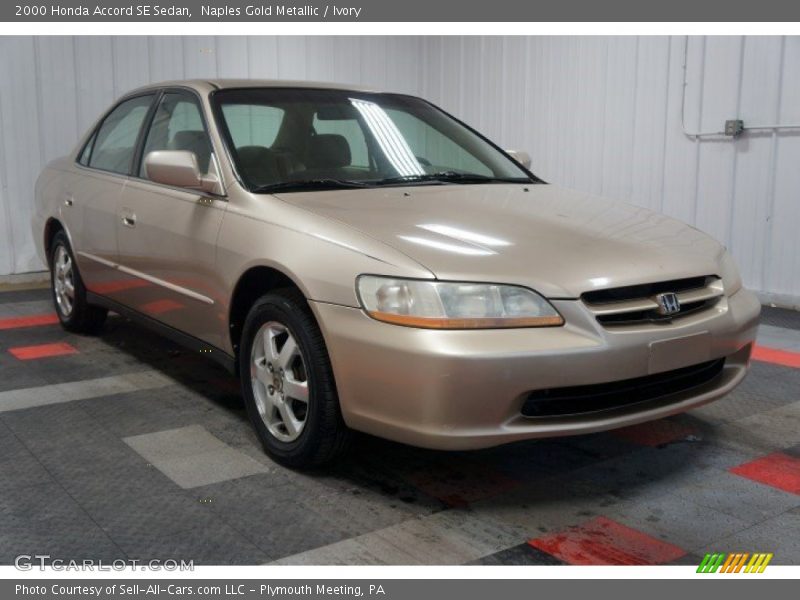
{"x":450,"y":177}
{"x":309,"y":184}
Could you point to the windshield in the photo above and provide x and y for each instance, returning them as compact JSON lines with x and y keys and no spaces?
{"x":292,"y":139}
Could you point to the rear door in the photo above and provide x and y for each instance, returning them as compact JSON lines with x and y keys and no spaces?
{"x":167,"y":236}
{"x":91,"y":200}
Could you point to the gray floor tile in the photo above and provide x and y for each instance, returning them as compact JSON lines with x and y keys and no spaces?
{"x":25,"y":308}
{"x":20,"y":468}
{"x":779,"y":535}
{"x":780,"y":317}
{"x":551,"y":504}
{"x":522,"y":554}
{"x":742,"y":498}
{"x":27,"y":295}
{"x":779,"y":337}
{"x":125,"y":518}
{"x":211,"y":543}
{"x":76,"y":538}
{"x":677,"y":521}
{"x":272,"y":518}
{"x":766,"y":387}
{"x":192,"y":457}
{"x":358,"y":512}
{"x":40,"y":502}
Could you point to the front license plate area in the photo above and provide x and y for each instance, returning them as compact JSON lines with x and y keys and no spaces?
{"x":674,"y":353}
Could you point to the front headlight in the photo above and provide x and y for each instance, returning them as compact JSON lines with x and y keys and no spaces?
{"x":731,"y":280}
{"x":449,"y":305}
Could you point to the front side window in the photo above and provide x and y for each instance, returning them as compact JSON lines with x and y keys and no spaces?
{"x":178,"y":125}
{"x":115,"y":141}
{"x":297,"y":138}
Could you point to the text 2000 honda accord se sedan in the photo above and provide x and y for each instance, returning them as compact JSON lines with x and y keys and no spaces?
{"x":366,"y":262}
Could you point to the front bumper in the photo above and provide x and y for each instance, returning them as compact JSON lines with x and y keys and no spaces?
{"x":461,"y":390}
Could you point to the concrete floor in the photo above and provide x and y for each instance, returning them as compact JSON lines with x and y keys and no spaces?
{"x":126,"y":446}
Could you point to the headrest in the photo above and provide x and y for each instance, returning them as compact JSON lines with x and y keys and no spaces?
{"x":193,"y":141}
{"x":328,"y":151}
{"x":187,"y":139}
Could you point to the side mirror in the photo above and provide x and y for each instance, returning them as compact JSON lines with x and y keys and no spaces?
{"x":521,"y":157}
{"x":179,"y":168}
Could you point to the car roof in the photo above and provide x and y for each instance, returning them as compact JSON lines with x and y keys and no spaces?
{"x":206,"y":85}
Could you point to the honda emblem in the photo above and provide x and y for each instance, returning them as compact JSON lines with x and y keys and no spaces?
{"x":668,"y":303}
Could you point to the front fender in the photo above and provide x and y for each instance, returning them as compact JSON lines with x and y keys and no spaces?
{"x":321,"y":256}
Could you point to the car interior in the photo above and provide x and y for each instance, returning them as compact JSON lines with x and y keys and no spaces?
{"x":300,"y":151}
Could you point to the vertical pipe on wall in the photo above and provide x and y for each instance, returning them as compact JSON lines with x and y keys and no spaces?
{"x":728,"y":240}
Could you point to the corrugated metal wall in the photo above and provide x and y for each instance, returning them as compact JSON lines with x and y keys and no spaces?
{"x":601,"y":114}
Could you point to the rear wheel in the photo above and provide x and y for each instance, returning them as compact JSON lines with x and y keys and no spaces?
{"x":69,"y":294}
{"x":288,"y":384}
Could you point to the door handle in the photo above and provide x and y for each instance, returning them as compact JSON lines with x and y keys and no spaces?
{"x":69,"y":201}
{"x":129,"y":220}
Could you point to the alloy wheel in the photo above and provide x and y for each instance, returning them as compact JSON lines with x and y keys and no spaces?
{"x":280,"y":381}
{"x":64,"y":281}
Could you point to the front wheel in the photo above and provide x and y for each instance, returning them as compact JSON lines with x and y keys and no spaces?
{"x":288,"y":383}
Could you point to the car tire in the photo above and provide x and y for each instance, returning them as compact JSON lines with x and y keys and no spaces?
{"x":283,"y":357}
{"x":69,"y":293}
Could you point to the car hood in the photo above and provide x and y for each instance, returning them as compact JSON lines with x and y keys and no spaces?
{"x":559,"y":242}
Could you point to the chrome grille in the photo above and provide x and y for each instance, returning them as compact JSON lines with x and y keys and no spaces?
{"x":637,"y":304}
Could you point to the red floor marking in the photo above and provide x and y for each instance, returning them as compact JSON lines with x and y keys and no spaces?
{"x":778,"y":470}
{"x":158,"y":307}
{"x":775,"y":356}
{"x":28,"y":321}
{"x":602,"y":541}
{"x":655,"y":433}
{"x":43,"y":351}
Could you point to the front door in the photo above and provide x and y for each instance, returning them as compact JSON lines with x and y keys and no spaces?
{"x":167,"y":236}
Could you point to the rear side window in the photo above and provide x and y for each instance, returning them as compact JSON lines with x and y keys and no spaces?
{"x":178,"y":125}
{"x":115,"y":141}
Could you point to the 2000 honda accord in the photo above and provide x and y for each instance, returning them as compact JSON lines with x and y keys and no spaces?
{"x":367,"y":262}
